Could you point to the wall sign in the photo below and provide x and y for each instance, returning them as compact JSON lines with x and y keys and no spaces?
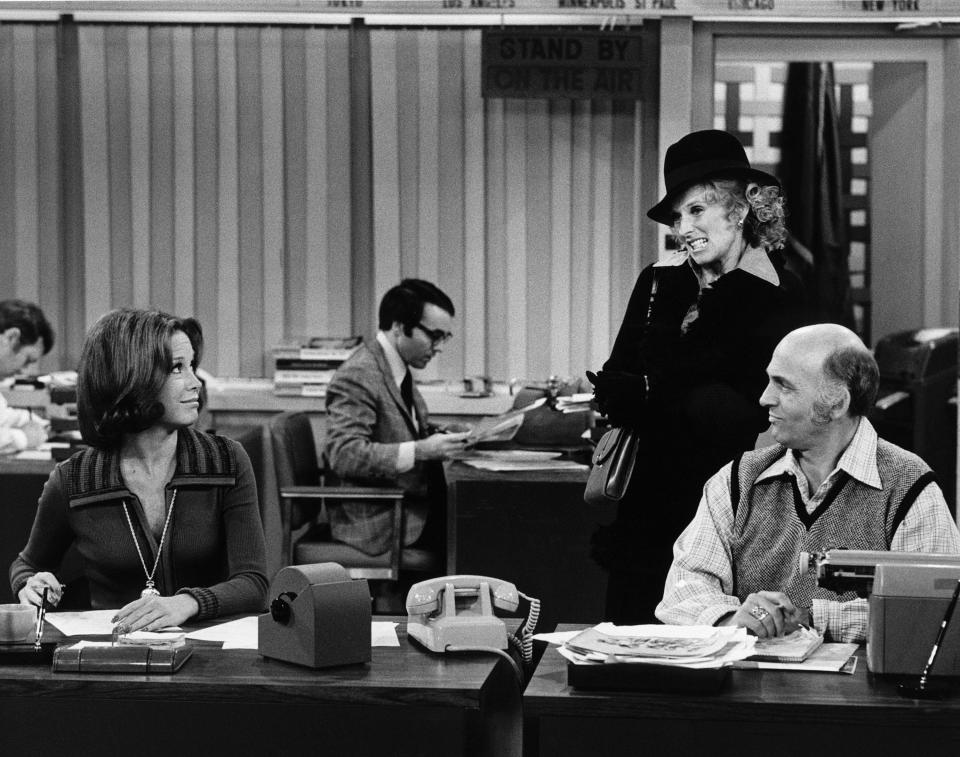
{"x":562,"y":64}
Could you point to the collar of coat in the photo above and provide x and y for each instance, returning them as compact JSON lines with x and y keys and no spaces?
{"x":754,"y":261}
{"x":93,"y":475}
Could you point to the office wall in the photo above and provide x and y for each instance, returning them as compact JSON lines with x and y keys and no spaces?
{"x":216,"y":180}
{"x":211,"y":174}
{"x":32,"y":267}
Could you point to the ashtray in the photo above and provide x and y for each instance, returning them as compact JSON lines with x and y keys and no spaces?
{"x":27,"y":654}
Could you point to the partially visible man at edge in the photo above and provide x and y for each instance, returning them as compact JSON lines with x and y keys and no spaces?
{"x":829,"y":481}
{"x":25,"y":337}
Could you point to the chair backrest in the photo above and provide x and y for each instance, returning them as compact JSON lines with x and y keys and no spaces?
{"x":294,"y":450}
{"x":295,"y":457}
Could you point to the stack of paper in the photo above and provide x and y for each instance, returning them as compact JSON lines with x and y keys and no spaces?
{"x":686,"y":646}
{"x":575,"y":403}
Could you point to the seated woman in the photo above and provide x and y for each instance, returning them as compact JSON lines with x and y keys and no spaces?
{"x":165,"y":518}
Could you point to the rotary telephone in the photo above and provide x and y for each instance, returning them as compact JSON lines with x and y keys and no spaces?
{"x":455,"y":613}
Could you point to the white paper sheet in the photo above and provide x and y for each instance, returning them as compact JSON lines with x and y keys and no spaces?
{"x":243,"y":633}
{"x":87,"y":622}
{"x":555,"y":637}
{"x":384,"y":634}
{"x":235,"y":634}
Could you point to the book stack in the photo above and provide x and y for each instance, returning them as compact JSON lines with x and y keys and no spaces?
{"x":305,"y":370}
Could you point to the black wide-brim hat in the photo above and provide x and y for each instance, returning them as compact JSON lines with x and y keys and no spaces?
{"x":699,"y":156}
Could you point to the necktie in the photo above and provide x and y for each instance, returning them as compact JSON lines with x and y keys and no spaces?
{"x":406,"y":391}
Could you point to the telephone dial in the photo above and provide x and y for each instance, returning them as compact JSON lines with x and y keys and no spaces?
{"x":453,"y":613}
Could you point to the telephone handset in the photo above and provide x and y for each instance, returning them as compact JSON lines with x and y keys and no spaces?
{"x":426,"y":596}
{"x":457,"y":612}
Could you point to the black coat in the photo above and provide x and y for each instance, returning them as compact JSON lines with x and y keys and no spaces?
{"x":698,"y":406}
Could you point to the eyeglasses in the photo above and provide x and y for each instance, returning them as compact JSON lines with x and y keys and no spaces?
{"x":436,"y":336}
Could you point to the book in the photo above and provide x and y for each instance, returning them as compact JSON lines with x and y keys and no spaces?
{"x":290,"y":364}
{"x":335,"y":342}
{"x":302,"y":377}
{"x":319,"y":348}
{"x":794,"y":647}
{"x":300,"y":390}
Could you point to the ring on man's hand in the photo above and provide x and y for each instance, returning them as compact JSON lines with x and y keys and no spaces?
{"x":759,"y":613}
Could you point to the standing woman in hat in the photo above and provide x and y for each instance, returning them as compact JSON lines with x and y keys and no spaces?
{"x":688,"y":365}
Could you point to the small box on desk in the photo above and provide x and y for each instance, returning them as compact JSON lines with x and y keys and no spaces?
{"x":646,"y":677}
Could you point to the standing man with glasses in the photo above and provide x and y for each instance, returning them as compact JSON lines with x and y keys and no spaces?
{"x":378,"y":429}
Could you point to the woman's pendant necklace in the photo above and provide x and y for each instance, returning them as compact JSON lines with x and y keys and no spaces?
{"x":150,"y":589}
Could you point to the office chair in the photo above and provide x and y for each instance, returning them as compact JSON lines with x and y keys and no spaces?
{"x":304,"y":489}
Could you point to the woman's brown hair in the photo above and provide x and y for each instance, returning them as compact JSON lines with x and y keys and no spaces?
{"x":124,"y":363}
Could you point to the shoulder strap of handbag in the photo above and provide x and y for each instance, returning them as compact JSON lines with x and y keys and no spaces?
{"x":646,"y":323}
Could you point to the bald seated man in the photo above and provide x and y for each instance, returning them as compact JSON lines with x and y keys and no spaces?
{"x":828,"y":482}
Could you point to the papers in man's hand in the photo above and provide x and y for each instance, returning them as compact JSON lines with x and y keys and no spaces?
{"x":503,"y":427}
{"x":686,"y":646}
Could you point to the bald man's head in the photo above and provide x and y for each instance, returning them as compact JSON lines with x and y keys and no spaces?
{"x":847,"y":366}
{"x":821,"y":339}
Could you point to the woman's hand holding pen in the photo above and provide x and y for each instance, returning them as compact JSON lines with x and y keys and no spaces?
{"x":154,"y":613}
{"x":32,"y":591}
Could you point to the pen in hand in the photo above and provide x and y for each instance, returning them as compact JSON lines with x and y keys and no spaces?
{"x":38,"y":634}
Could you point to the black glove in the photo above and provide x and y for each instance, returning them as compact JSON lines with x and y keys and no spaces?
{"x":620,"y":396}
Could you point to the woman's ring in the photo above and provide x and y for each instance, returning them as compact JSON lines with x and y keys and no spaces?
{"x":759,"y":613}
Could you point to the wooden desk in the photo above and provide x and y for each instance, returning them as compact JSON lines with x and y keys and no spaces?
{"x":532,"y":529}
{"x":782,"y":713}
{"x":406,"y":701}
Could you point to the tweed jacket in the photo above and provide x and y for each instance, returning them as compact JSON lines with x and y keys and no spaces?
{"x":214,"y":549}
{"x":366,"y":422}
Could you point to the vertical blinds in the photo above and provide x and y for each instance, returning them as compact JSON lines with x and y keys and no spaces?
{"x":215,"y":180}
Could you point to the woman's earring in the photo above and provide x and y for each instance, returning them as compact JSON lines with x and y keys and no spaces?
{"x":740,"y":224}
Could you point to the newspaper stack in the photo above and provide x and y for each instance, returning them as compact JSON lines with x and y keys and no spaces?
{"x":694,"y":647}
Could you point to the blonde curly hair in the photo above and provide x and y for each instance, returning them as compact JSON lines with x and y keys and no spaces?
{"x":764,"y":224}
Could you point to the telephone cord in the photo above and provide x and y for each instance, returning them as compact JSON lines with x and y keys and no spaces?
{"x":524,"y":635}
{"x":513,"y":663}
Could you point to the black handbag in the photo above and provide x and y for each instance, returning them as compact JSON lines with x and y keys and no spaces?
{"x":616,"y":453}
{"x":612,"y":465}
